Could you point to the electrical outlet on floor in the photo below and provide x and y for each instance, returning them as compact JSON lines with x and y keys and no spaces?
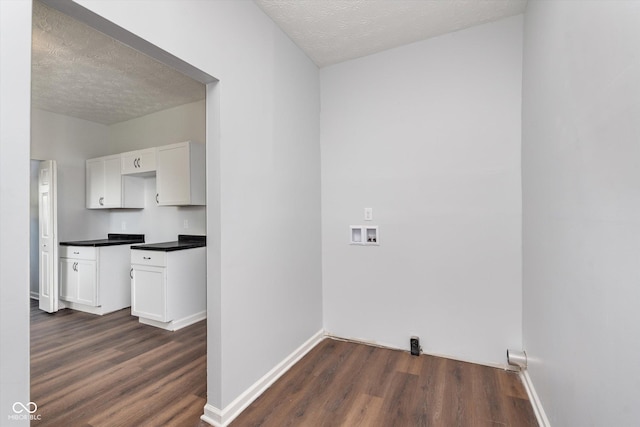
{"x":414,"y":344}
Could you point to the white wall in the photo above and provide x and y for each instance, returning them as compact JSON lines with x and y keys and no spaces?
{"x":182,"y":123}
{"x":269,"y":178}
{"x":428,"y":135}
{"x":70,"y":141}
{"x":15,"y":87}
{"x":159,"y":223}
{"x":581,"y":223}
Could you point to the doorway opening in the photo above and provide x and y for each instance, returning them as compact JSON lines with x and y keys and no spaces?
{"x":72,"y":139}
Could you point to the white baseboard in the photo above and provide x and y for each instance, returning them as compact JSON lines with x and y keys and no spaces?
{"x":503,"y":366}
{"x":538,"y":410}
{"x":174,"y":325}
{"x":34,"y":295}
{"x":212,"y":416}
{"x":222,"y":418}
{"x":189,"y":320}
{"x":86,"y":308}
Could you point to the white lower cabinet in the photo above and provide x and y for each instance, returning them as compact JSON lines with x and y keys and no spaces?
{"x":149,"y":293}
{"x":78,"y":281}
{"x":168,"y":289}
{"x":68,"y":279}
{"x":95,"y":279}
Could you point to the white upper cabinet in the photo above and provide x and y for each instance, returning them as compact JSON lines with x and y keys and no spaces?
{"x":139,"y":162}
{"x":107,"y":188}
{"x":180,"y":174}
{"x":117,"y":181}
{"x":103,"y":182}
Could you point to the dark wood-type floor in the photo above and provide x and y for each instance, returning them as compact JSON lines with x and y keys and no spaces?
{"x":112,"y":371}
{"x":345,"y":384}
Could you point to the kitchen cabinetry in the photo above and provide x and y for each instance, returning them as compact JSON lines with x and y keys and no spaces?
{"x":180,"y":174}
{"x":168,"y":289}
{"x":95,"y":279}
{"x":106,"y":187}
{"x":78,"y":275}
{"x":149,"y":295}
{"x":103,"y":182}
{"x":138,"y":162}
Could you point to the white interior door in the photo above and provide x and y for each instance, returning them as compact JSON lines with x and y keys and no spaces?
{"x":48,"y":236}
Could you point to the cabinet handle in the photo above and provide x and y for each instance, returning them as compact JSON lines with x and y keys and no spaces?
{"x":75,"y":266}
{"x":146,"y":257}
{"x":76,"y":253}
{"x":131,"y":273}
{"x":157,"y":198}
{"x":101,"y":201}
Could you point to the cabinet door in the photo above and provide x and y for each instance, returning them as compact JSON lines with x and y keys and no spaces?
{"x":141,"y":161}
{"x":94,"y":184}
{"x":87,"y":282}
{"x":78,"y":281}
{"x":103,"y":183}
{"x":173,"y":175}
{"x":68,"y":279}
{"x":112,"y":183}
{"x":147,"y":160}
{"x":129,"y":163}
{"x":149,"y":293}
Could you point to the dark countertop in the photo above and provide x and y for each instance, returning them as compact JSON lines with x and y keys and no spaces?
{"x":184,"y":241}
{"x":111,"y":240}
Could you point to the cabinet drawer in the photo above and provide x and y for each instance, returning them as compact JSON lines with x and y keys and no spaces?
{"x":78,"y":252}
{"x":142,"y":257}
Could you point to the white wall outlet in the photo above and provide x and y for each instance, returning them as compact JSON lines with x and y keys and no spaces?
{"x":368,"y":214}
{"x":186,"y":223}
{"x":123,"y":225}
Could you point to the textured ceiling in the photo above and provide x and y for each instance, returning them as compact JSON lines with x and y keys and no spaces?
{"x":80,"y":72}
{"x":332,"y":31}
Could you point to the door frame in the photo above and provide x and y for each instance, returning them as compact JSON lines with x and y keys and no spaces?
{"x":212,"y":168}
